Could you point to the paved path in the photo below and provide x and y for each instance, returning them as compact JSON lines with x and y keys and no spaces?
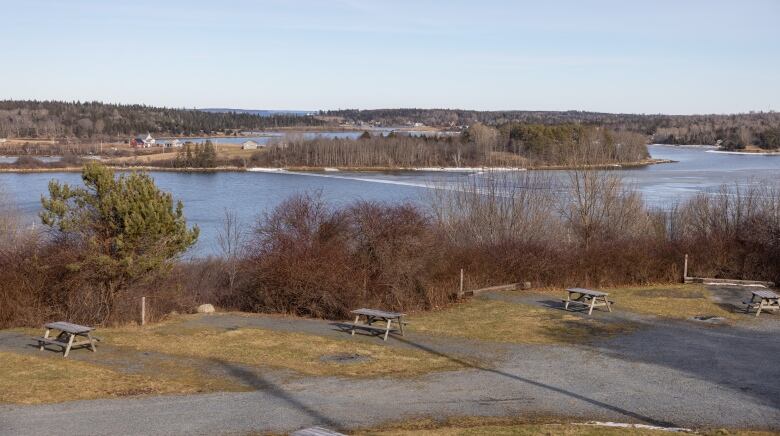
{"x":667,"y":373}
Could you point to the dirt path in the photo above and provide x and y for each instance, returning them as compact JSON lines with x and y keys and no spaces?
{"x":666,"y":373}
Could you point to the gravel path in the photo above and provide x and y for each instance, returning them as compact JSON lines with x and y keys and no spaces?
{"x":666,"y":373}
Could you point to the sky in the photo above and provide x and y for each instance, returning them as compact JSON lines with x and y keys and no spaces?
{"x":676,"y":57}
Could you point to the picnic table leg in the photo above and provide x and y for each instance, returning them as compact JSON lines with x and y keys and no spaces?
{"x":752,"y":298}
{"x":566,"y":305}
{"x":357,"y":318}
{"x":71,"y":336}
{"x":91,"y":342}
{"x":760,"y":306}
{"x":387,"y":332}
{"x":609,"y":306}
{"x":45,"y":336}
{"x":401,"y":325}
{"x":592,"y":304}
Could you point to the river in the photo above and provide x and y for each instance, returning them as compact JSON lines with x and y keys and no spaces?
{"x":207,"y":195}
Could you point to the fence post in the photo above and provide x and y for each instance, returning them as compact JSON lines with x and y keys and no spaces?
{"x":460,"y":292}
{"x":143,"y":310}
{"x":685,"y":269}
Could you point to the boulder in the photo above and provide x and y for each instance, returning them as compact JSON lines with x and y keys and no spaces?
{"x":205,"y":308}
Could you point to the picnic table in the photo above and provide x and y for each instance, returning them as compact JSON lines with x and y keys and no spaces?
{"x":763,"y":300}
{"x":372,"y":316}
{"x":588,"y":298}
{"x":66,"y":337}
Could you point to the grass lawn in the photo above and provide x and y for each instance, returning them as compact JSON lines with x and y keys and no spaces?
{"x":672,"y":301}
{"x":299,"y":352}
{"x":26,"y":379}
{"x":501,"y":321}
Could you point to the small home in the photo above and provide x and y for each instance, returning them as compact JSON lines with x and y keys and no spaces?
{"x":141,"y":142}
{"x":174,"y":144}
{"x":249,"y":145}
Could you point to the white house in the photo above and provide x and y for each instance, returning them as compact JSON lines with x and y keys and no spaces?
{"x":143,"y":142}
{"x":249,"y":145}
{"x":174,"y":144}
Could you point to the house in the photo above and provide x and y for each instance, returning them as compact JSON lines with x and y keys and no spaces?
{"x":249,"y":145}
{"x":2,"y":140}
{"x":174,"y":144}
{"x":142,"y":142}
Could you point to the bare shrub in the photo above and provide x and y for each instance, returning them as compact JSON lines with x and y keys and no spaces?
{"x":308,"y":259}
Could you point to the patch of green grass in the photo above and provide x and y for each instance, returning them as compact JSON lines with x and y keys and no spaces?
{"x":518,"y":323}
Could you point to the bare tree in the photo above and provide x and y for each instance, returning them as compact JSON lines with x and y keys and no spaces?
{"x":231,"y":244}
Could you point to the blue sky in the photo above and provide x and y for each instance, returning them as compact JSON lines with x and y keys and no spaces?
{"x":681,"y":56}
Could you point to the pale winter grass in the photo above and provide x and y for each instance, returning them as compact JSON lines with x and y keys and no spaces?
{"x":513,"y":322}
{"x":28,"y":379}
{"x":298,"y":352}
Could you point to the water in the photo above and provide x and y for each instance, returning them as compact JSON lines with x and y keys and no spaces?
{"x":207,"y":195}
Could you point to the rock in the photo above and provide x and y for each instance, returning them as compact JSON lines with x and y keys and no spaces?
{"x":205,"y":308}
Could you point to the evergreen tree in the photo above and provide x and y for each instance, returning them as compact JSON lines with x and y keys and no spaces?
{"x":125,"y":229}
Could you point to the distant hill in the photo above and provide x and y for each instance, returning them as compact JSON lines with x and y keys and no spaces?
{"x":260,"y":112}
{"x":97,"y":120}
{"x":735,"y":131}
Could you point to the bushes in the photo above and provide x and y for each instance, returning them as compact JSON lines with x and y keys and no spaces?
{"x":307,"y":258}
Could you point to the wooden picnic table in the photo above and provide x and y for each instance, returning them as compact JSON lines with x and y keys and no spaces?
{"x":372,"y":316}
{"x":763,"y":300}
{"x":66,"y":338}
{"x":588,"y":298}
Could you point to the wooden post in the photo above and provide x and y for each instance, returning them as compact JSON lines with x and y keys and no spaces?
{"x":685,"y":269}
{"x":143,"y":310}
{"x":460,"y":292}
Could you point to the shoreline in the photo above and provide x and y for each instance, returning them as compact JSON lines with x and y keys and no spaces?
{"x":218,"y":169}
{"x":746,"y":153}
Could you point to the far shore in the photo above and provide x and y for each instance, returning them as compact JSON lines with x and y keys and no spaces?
{"x":149,"y":168}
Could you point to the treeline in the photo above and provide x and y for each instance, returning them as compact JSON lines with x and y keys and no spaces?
{"x":96,"y":120}
{"x":511,"y":144}
{"x":120,"y":238}
{"x":760,"y":129}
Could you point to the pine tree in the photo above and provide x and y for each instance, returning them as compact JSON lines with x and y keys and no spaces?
{"x":127,"y":230}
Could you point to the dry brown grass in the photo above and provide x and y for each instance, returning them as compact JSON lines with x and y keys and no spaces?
{"x":499,"y":426}
{"x":671,"y":301}
{"x":28,"y":379}
{"x":512,"y":322}
{"x":298,"y":352}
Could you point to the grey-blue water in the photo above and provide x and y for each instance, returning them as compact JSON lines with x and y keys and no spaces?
{"x":207,"y":195}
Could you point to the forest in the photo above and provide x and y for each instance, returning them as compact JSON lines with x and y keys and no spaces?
{"x":510,"y":145}
{"x":760,"y":129}
{"x":103,"y":121}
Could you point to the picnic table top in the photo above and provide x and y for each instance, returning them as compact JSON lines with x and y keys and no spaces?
{"x":587,"y":292}
{"x":377,"y":313}
{"x":766,"y":294}
{"x":69,"y":327}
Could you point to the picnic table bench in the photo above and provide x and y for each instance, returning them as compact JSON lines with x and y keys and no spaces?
{"x":588,"y":298}
{"x":67,"y":336}
{"x":762,"y":300}
{"x":372,"y":316}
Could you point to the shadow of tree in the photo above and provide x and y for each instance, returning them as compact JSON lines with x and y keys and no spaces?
{"x":260,"y":383}
{"x":601,"y":404}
